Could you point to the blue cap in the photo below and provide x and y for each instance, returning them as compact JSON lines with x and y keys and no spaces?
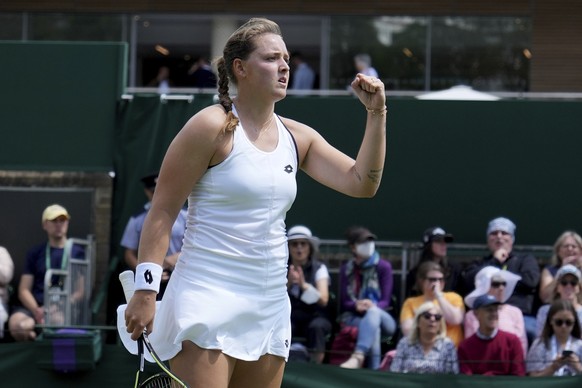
{"x":484,"y":301}
{"x":501,"y":224}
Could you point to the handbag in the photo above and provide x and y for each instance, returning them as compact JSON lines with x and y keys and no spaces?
{"x":343,"y":344}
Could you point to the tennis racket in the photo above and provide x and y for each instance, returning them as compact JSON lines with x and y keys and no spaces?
{"x":164,"y":379}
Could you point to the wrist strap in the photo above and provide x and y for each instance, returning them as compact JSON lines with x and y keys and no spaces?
{"x":148,"y":276}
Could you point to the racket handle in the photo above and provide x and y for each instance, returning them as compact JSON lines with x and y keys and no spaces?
{"x":128,"y":283}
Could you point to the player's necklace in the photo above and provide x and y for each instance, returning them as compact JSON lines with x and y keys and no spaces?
{"x":264,"y":129}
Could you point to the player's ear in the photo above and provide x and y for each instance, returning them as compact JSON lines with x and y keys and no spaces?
{"x":239,"y":67}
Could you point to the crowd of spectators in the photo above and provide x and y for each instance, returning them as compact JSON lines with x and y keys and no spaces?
{"x":504,"y":314}
{"x":501,"y":315}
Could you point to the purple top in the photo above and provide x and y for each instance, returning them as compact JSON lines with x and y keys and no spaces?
{"x":384,"y":271}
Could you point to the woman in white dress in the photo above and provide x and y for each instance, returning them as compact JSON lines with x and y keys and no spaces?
{"x":224,"y":320}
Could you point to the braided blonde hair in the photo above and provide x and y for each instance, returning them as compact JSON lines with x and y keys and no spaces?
{"x":239,"y":45}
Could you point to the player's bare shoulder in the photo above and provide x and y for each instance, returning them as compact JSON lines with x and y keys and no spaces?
{"x":203,"y":135}
{"x":208,"y":122}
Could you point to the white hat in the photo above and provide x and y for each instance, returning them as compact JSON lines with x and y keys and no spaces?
{"x":568,"y":269}
{"x":302,"y":232}
{"x":483,"y":283}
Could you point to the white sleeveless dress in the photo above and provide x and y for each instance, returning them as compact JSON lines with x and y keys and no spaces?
{"x":228,"y":290}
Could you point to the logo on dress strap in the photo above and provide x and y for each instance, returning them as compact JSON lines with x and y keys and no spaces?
{"x":288,"y":169}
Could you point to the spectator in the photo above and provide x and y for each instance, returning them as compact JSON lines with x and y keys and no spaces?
{"x":430,"y":279}
{"x":365,"y":294}
{"x":566,"y":287}
{"x":490,"y":351}
{"x":427,"y":349}
{"x":500,"y":284}
{"x":132,"y":234}
{"x":500,"y":240}
{"x":53,"y":254}
{"x":567,"y":250}
{"x":162,"y":80}
{"x":434,"y":248}
{"x":6,"y":273}
{"x":302,"y":76}
{"x":363,"y":64}
{"x":308,"y":287}
{"x":201,"y":75}
{"x":559,"y":349}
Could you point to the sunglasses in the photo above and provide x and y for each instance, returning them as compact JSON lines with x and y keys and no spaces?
{"x":297,"y":243}
{"x":428,"y":316}
{"x":498,"y":284}
{"x":572,"y":283}
{"x":434,"y":280}
{"x":561,"y":322}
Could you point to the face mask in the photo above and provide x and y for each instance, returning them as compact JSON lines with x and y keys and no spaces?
{"x":366,"y":249}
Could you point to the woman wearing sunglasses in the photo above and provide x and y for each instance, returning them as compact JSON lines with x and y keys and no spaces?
{"x":431,"y":280}
{"x":566,"y":287}
{"x":426,"y":349}
{"x":567,"y":250}
{"x":559,"y":349}
{"x":499,"y":283}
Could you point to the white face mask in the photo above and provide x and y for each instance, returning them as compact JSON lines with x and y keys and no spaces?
{"x":366,"y":249}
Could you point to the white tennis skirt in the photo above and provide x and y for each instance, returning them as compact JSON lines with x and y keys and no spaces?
{"x":243,"y":322}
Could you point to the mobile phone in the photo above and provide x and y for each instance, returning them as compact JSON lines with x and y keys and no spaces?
{"x":566,"y":353}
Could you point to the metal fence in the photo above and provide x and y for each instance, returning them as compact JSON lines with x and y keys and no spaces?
{"x":405,"y":255}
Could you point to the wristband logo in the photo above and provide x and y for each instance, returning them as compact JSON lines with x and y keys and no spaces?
{"x":147,"y":275}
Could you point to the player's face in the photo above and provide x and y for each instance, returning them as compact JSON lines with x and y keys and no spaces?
{"x":266,"y":69}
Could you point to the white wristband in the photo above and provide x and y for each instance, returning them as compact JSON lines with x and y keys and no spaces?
{"x":148,"y":277}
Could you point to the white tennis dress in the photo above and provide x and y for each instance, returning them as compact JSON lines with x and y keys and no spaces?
{"x":228,"y":290}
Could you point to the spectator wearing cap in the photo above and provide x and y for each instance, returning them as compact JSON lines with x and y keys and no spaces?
{"x":558,"y":351}
{"x":52,"y":254}
{"x":308,"y":284}
{"x":434,"y":248}
{"x":132,"y":234}
{"x":490,"y":351}
{"x":430,"y":279}
{"x":365,"y":294}
{"x":566,"y":286}
{"x":567,"y":250}
{"x":500,"y":284}
{"x":500,"y":240}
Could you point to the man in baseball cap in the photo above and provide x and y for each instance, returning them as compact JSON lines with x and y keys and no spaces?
{"x":55,"y":253}
{"x":500,"y":240}
{"x":490,"y":351}
{"x":53,"y":212}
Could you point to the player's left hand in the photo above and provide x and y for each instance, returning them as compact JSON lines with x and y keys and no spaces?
{"x":370,"y":91}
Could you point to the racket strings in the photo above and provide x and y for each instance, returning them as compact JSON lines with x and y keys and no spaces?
{"x":160,"y":380}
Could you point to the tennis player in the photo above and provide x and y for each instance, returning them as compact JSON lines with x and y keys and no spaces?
{"x":224,"y":320}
